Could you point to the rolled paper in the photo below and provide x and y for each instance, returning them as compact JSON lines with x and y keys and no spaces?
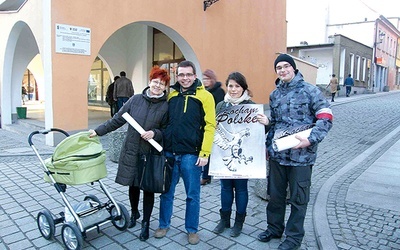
{"x":289,"y":141}
{"x":140,"y":130}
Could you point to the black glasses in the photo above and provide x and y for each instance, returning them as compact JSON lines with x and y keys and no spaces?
{"x":188,"y":75}
{"x":286,"y":66}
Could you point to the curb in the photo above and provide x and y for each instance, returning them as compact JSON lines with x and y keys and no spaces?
{"x":323,"y":232}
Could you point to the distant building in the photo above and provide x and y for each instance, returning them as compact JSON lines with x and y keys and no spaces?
{"x":342,"y":56}
{"x":359,"y":24}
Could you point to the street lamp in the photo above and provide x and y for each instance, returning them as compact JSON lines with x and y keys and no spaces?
{"x":208,"y":3}
{"x":381,"y":36}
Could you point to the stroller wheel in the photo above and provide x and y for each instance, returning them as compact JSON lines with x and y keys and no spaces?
{"x":71,"y":236}
{"x":45,"y":224}
{"x":120,"y":221}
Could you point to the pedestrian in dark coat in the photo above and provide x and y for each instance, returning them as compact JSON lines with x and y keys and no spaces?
{"x":149,"y":109}
{"x":214,"y":87}
{"x":110,"y":98}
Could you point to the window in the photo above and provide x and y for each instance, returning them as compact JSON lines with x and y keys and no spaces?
{"x":29,"y":82}
{"x":358,"y":59}
{"x":351,"y":64}
{"x":364,"y":71}
{"x":98,"y":81}
{"x":166,"y":53}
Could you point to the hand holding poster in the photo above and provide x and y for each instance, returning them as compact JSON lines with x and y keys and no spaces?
{"x":285,"y":139}
{"x":239,"y":144}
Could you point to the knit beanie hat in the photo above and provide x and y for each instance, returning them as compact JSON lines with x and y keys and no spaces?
{"x":285,"y":58}
{"x":210,"y":74}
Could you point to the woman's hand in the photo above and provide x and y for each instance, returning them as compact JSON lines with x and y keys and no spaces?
{"x":92,"y":133}
{"x":263,"y":119}
{"x":148,"y":135}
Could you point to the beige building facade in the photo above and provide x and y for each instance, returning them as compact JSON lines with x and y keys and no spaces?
{"x":130,"y":36}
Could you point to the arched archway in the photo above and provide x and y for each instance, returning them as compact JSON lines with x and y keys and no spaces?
{"x":20,"y":50}
{"x":130,"y":49}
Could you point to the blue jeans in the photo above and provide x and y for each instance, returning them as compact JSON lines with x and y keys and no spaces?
{"x":121,"y":101}
{"x":234,"y":189}
{"x":348,"y":90}
{"x":184,"y":167}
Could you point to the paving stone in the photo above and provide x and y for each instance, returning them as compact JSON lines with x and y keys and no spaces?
{"x":354,"y":225}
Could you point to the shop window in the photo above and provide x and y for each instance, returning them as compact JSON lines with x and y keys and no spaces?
{"x":98,"y":81}
{"x":29,"y":83}
{"x":166,"y":53}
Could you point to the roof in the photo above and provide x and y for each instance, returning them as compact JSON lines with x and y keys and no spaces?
{"x":11,"y":5}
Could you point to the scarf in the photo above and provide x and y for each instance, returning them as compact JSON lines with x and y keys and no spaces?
{"x":236,"y":101}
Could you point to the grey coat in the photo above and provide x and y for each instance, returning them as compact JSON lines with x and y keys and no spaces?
{"x":151,"y":114}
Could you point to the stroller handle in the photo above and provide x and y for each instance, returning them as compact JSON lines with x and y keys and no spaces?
{"x":45,"y":132}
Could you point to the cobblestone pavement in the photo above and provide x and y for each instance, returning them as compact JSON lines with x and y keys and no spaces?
{"x":359,"y":123}
{"x":357,"y":126}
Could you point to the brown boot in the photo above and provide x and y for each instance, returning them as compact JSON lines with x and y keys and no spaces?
{"x":205,"y":181}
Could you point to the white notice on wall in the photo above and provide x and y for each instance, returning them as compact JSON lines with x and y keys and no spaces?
{"x":72,"y":39}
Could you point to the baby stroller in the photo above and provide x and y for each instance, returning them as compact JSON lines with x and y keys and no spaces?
{"x":76,"y":160}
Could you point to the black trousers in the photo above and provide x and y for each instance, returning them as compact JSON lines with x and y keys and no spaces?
{"x":299,"y":180}
{"x":148,"y":202}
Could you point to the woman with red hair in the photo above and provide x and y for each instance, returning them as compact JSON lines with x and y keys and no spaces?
{"x":149,"y":109}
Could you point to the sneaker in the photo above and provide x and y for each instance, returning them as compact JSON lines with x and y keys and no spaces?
{"x":160,"y":233}
{"x":193,"y":238}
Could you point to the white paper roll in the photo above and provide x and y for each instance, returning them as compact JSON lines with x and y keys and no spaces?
{"x":140,"y":130}
{"x":289,"y":141}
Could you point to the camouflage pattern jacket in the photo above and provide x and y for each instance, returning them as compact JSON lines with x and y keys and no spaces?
{"x":295,"y":104}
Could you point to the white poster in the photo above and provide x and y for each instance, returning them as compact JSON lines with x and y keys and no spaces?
{"x":239,"y":144}
{"x":72,"y":39}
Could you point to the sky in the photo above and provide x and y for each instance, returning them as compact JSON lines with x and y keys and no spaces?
{"x":388,"y":8}
{"x":306,"y":19}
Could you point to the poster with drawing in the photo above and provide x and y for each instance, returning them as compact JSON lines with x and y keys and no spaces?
{"x":239,"y":144}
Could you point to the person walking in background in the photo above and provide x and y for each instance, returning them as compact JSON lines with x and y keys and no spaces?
{"x":123,"y":90}
{"x":149,"y":109}
{"x":293,"y":103}
{"x":235,"y":189}
{"x":110,"y":97}
{"x":214,"y":87}
{"x":333,"y":84}
{"x":188,"y":141}
{"x":23,"y":94}
{"x":348,"y":82}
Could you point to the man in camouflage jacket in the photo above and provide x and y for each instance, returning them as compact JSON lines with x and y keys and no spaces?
{"x":293,"y":103}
